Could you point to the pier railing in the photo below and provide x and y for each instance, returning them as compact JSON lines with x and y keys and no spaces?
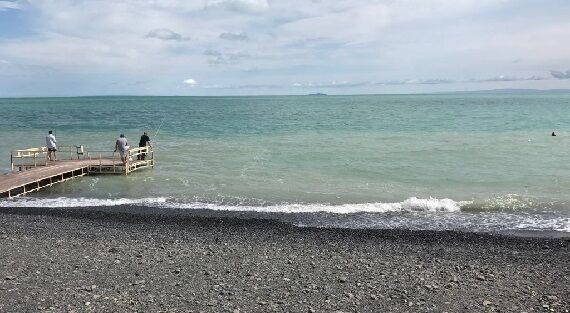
{"x":24,"y":159}
{"x":107,"y":161}
{"x":139,"y":157}
{"x":103,"y":161}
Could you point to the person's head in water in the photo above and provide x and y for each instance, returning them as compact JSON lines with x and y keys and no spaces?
{"x":122,"y":136}
{"x":50,"y":132}
{"x":553,"y":134}
{"x":145,"y":133}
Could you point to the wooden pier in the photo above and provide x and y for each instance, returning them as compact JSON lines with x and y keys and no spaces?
{"x":32,"y":171}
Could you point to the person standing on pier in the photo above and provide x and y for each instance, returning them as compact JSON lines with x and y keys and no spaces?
{"x":145,"y":141}
{"x":122,"y":145}
{"x":51,"y":146}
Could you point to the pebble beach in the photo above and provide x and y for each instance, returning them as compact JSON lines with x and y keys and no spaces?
{"x":82,"y":260}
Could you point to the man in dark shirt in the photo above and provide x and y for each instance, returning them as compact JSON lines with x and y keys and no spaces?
{"x":145,"y":141}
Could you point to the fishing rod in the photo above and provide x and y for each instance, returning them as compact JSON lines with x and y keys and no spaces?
{"x":158,"y":129}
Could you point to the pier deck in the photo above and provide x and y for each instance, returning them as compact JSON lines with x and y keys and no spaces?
{"x":31,"y":170}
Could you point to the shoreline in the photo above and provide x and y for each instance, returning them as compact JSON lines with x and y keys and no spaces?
{"x":55,"y":260}
{"x":172,"y":215}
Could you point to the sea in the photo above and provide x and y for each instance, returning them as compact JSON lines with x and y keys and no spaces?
{"x":462,"y":162}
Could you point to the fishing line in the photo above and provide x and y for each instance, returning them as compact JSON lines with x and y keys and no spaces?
{"x":160,"y":126}
{"x":155,"y":139}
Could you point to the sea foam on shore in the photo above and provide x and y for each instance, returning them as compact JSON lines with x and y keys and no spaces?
{"x":413,"y":213}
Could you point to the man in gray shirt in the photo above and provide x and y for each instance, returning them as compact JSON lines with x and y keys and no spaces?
{"x":122,"y":146}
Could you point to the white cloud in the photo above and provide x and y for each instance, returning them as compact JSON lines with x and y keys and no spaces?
{"x":190,"y":82}
{"x":233,"y":36}
{"x":351,"y":25}
{"x":212,"y":52}
{"x":560,"y":75}
{"x":331,"y":84}
{"x":410,"y":10}
{"x":10,"y":5}
{"x":506,"y":78}
{"x":246,"y":6}
{"x":231,"y":57}
{"x":166,"y":34}
{"x":248,"y":43}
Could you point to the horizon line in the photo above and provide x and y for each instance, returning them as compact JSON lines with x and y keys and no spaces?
{"x":319,"y":94}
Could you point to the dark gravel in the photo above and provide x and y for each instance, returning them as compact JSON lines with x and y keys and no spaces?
{"x":80,"y":260}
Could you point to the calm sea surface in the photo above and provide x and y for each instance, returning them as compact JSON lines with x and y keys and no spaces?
{"x":463,"y":162}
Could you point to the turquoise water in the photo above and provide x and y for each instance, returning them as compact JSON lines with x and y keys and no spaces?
{"x":443,"y":160}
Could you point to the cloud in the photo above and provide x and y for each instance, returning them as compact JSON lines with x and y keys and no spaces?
{"x":250,"y":69}
{"x":244,"y":6}
{"x":331,"y":84}
{"x":367,"y":45}
{"x":10,"y":5}
{"x":219,"y":60}
{"x":560,"y":75}
{"x":212,"y":52}
{"x":435,"y":81}
{"x":237,"y":55}
{"x":190,"y":82}
{"x":503,"y":78}
{"x":219,"y":57}
{"x":234,"y":36}
{"x":439,"y":81}
{"x":248,"y":86}
{"x":366,"y":23}
{"x":344,"y":84}
{"x":166,"y":34}
{"x":416,"y":82}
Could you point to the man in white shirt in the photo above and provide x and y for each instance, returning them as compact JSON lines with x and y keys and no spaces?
{"x":51,"y":145}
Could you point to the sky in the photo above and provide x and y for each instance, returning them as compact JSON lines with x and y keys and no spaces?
{"x":258,"y":47}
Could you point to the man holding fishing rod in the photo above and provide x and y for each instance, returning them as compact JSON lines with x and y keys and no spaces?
{"x":145,"y":141}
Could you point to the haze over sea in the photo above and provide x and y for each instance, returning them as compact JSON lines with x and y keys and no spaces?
{"x":472,"y":162}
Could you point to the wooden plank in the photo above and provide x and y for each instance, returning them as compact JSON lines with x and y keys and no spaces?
{"x":13,"y":180}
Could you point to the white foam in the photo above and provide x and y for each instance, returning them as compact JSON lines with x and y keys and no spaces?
{"x":558,"y":224}
{"x":63,"y":202}
{"x":430,"y":213}
{"x":409,"y":205}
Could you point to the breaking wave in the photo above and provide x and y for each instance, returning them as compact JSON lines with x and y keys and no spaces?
{"x":409,"y":205}
{"x":495,"y":215}
{"x":63,"y":202}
